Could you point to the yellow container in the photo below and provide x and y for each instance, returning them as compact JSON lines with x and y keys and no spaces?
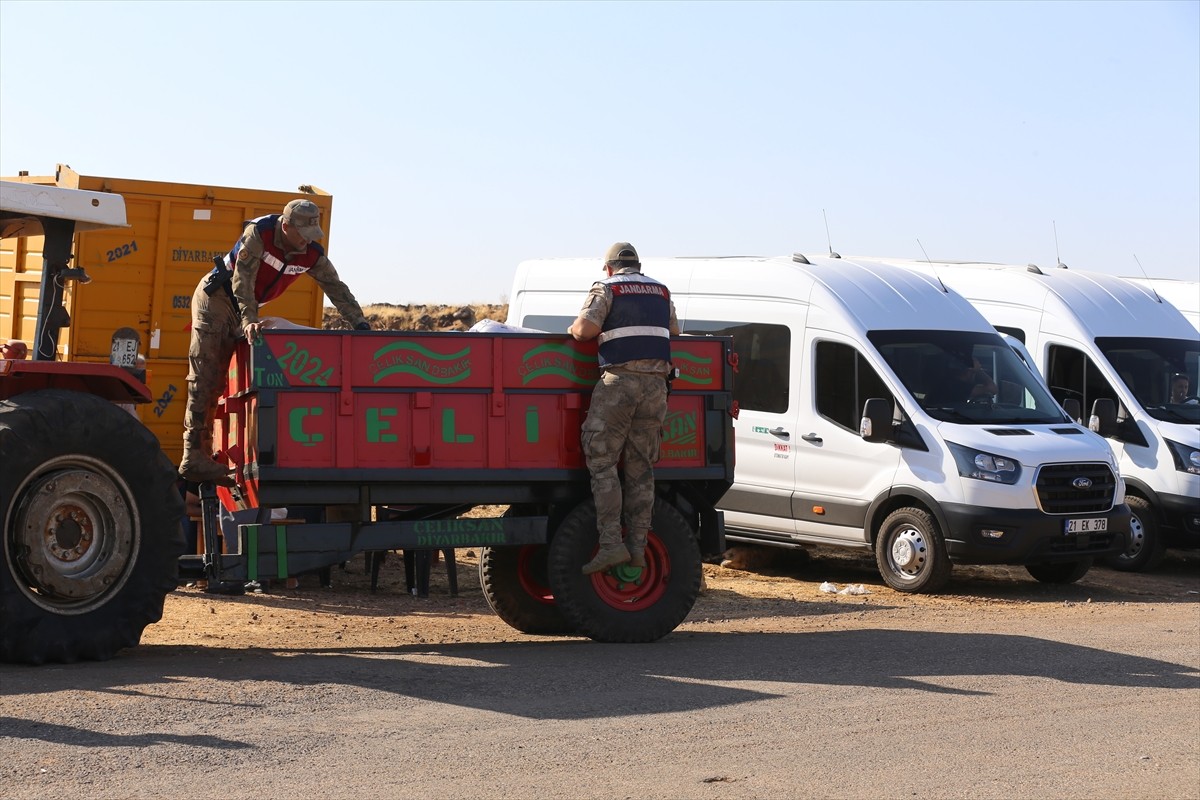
{"x":143,"y":277}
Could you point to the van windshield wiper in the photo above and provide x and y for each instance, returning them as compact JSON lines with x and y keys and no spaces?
{"x":948,"y":414}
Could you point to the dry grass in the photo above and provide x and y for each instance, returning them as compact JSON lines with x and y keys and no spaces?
{"x":387,"y":317}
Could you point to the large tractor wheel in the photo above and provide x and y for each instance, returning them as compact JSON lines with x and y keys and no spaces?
{"x":517,"y":587}
{"x":1146,"y":547}
{"x":91,"y":528}
{"x":624,"y":603}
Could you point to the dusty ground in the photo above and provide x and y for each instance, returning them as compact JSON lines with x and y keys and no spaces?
{"x":773,"y":583}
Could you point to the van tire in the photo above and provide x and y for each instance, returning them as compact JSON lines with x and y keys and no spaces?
{"x":1146,"y":546}
{"x":626,"y":604}
{"x":90,"y":515}
{"x":1060,"y":571}
{"x":517,"y":587}
{"x":910,"y":552}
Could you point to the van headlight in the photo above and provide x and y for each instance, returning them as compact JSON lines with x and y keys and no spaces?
{"x":1187,"y":458}
{"x":983,"y":466}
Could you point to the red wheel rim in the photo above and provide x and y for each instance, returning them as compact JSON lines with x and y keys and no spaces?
{"x":627,"y":588}
{"x":531,"y":561}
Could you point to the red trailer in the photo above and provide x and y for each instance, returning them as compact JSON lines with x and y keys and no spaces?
{"x":411,"y":429}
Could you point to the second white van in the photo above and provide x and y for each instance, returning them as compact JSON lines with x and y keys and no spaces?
{"x":1129,"y":362}
{"x":861,"y":422}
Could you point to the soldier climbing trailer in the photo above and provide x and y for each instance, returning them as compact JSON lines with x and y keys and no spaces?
{"x":404,"y":431}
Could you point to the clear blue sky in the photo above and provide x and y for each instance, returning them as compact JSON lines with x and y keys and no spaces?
{"x":460,"y":138}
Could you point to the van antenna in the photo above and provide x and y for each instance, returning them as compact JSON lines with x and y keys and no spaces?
{"x":1148,"y":281}
{"x":929,"y":261}
{"x":1056,"y":256}
{"x":827,"y":237}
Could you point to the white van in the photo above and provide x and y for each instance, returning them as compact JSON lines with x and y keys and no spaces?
{"x":1184,"y":295}
{"x":1097,"y":337}
{"x":842,"y":436}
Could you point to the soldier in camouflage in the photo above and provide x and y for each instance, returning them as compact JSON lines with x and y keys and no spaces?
{"x":632,"y":317}
{"x":271,"y":254}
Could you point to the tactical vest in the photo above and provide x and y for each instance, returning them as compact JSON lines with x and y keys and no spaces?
{"x":639,"y":323}
{"x":270,"y":283}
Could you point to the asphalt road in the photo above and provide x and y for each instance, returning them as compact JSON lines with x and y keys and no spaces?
{"x":1040,"y":700}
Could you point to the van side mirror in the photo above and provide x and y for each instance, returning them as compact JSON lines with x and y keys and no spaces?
{"x":1073,"y":408}
{"x":876,"y":424}
{"x":1104,"y":417}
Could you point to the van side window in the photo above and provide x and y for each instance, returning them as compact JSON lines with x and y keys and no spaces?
{"x":1071,"y":373}
{"x":844,"y":382}
{"x":764,"y":353}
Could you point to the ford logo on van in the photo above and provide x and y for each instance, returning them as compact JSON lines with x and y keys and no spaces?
{"x":1082,"y":484}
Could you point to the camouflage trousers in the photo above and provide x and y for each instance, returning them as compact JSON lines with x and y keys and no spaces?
{"x":624,"y":423}
{"x":216,"y":329}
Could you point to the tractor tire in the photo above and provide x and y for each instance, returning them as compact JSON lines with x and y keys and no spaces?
{"x":91,"y":528}
{"x":624,"y":603}
{"x":515,"y":583}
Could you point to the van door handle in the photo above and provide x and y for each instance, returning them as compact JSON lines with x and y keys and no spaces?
{"x":779,"y":432}
{"x":812,"y":437}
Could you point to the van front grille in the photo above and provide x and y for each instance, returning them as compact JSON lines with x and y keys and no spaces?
{"x":1076,"y":488}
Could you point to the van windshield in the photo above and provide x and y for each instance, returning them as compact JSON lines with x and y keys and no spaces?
{"x":967,"y":377}
{"x":1162,"y":374}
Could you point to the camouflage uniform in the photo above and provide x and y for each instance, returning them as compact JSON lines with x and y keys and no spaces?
{"x":216,"y":329}
{"x":624,"y":422}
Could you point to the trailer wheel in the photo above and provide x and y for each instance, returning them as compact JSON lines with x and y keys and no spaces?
{"x":517,"y":587}
{"x":1060,"y":571}
{"x":911,"y":552}
{"x":91,"y":528}
{"x":624,"y":603}
{"x":1146,"y":547}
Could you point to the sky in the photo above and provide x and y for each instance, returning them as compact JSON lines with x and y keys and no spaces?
{"x":460,"y":138}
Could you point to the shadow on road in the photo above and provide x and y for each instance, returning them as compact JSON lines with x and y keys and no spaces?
{"x":573,"y":679}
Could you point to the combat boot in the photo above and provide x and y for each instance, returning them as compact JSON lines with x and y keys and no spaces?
{"x":635,"y":543}
{"x":199,"y":467}
{"x":612,"y":553}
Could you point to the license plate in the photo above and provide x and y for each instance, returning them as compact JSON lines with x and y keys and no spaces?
{"x":1093,"y":525}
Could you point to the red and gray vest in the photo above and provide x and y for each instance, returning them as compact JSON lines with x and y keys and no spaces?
{"x":279,"y":275}
{"x":639,"y":323}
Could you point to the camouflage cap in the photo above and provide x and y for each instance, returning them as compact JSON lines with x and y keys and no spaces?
{"x":305,"y":217}
{"x":622,"y":251}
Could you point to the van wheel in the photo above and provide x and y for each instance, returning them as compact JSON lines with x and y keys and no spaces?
{"x":911,"y":552}
{"x":517,"y":587}
{"x":91,"y":528}
{"x":624,"y":603}
{"x":1146,"y":547}
{"x":1060,"y":571}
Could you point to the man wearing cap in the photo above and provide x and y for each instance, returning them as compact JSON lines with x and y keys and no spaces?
{"x":271,"y":254}
{"x":632,"y":317}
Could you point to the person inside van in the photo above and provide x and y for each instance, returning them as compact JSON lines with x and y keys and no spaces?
{"x":964,"y":384}
{"x":1180,"y":384}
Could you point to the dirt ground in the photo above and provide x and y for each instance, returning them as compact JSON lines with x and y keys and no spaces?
{"x":757,"y":582}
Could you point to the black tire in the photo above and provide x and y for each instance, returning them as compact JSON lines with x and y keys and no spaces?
{"x":626,"y":604}
{"x":1060,"y":571}
{"x":516,"y":584}
{"x":91,"y":528}
{"x":910,"y":552}
{"x":1146,"y":546}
